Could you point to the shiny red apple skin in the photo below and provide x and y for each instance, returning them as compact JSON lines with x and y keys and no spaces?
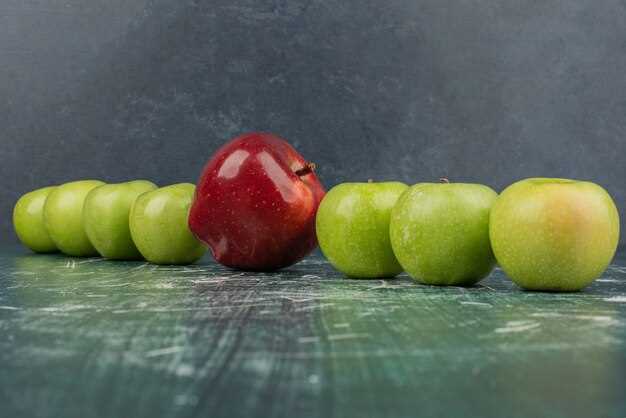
{"x":251,"y":207}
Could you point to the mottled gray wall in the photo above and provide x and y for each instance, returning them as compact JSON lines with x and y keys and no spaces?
{"x":486,"y":90}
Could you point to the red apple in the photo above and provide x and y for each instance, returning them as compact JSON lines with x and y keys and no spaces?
{"x":255,"y":204}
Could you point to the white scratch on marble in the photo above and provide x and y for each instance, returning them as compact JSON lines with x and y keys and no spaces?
{"x":486,"y":305}
{"x":616,"y":299}
{"x":517,"y":326}
{"x":349,"y":336}
{"x":164,"y":351}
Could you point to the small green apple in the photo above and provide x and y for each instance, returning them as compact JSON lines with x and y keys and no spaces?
{"x":28,"y":221}
{"x":63,"y":217}
{"x":105,"y":215}
{"x":352,"y":227}
{"x":158,"y":225}
{"x":554,"y":234}
{"x":440,"y":233}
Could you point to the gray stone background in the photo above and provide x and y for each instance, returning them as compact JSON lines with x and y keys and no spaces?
{"x":477,"y":90}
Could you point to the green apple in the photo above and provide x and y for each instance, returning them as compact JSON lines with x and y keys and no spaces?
{"x":105,"y":215}
{"x":28,"y":221}
{"x":158,"y":225}
{"x":63,"y":217}
{"x":352,"y":226}
{"x":440,"y":233}
{"x":554,"y":234}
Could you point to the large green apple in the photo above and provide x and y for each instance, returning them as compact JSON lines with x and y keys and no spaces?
{"x":158,"y":225}
{"x":63,"y":217}
{"x":105,"y":215}
{"x":353,"y":228}
{"x":440,"y":232}
{"x":554,"y":234}
{"x":28,"y":221}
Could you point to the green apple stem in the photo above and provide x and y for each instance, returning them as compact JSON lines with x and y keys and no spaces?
{"x":307,"y":169}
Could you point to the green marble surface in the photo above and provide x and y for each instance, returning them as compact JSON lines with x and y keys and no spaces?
{"x":94,"y":338}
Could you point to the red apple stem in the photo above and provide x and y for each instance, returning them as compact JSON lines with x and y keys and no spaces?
{"x":444,"y":180}
{"x":307,"y":169}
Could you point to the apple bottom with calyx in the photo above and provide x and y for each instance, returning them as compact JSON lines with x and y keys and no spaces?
{"x":63,"y":217}
{"x":554,"y":234}
{"x":440,"y":233}
{"x":28,"y":221}
{"x":255,"y":204}
{"x":158,"y":226}
{"x":105,"y":216}
{"x":353,"y":228}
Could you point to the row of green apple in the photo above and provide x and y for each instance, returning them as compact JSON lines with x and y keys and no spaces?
{"x":124,"y":221}
{"x":546,"y":234}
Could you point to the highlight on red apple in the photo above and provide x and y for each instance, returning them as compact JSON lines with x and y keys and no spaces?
{"x":255,"y":204}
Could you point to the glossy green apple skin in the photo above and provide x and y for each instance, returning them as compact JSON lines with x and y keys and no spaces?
{"x":28,"y":221}
{"x":352,"y":226}
{"x":158,"y":225}
{"x":440,"y":233}
{"x":63,"y":217}
{"x":106,"y":214}
{"x":554,"y":234}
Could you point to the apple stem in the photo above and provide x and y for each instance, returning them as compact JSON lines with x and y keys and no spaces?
{"x":307,"y":169}
{"x":444,"y":180}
